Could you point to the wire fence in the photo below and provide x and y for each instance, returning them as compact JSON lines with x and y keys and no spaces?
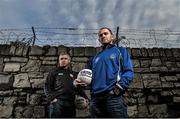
{"x":77,"y":37}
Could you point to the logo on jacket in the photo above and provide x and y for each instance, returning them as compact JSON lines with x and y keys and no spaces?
{"x":71,"y":75}
{"x":112,"y":56}
{"x":97,"y":59}
{"x":60,"y":74}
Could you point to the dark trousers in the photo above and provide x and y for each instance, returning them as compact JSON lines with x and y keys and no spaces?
{"x":109,"y":105}
{"x":62,"y":109}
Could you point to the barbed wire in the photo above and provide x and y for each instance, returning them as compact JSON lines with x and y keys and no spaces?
{"x":89,"y":37}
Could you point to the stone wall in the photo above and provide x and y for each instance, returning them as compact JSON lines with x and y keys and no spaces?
{"x":155,"y":91}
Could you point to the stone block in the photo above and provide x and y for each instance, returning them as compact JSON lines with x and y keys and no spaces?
{"x":36,"y":50}
{"x":21,"y":81}
{"x":6,"y":111}
{"x":50,"y":51}
{"x":78,"y":66}
{"x":6,"y":82}
{"x":136,"y":63}
{"x":90,"y":51}
{"x":132,"y":111}
{"x":11,"y":67}
{"x":145,"y":63}
{"x":136,"y":52}
{"x":37,"y":83}
{"x":79,"y":51}
{"x":4,"y":49}
{"x":39,"y":112}
{"x":31,"y":66}
{"x":168,"y":52}
{"x":144,"y":52}
{"x":156,"y":62}
{"x":159,"y":110}
{"x":152,"y":83}
{"x":176,"y":52}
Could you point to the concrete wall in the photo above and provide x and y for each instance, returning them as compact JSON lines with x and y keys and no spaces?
{"x":155,"y":91}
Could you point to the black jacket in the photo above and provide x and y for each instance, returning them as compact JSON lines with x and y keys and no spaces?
{"x":59,"y":84}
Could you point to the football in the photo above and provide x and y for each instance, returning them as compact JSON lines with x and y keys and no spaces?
{"x":85,"y":76}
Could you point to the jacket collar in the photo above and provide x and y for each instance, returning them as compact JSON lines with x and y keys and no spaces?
{"x":107,"y":46}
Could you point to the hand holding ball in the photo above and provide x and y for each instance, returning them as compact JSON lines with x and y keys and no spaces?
{"x":85,"y":76}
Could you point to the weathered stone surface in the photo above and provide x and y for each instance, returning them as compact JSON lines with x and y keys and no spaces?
{"x":145,"y":63}
{"x":37,"y":83}
{"x":45,"y":68}
{"x":1,"y":60}
{"x":141,"y":70}
{"x":171,"y":78}
{"x":132,"y":110}
{"x":11,"y":67}
{"x":78,"y":66}
{"x":156,"y":62}
{"x":137,"y":82}
{"x":136,"y":63}
{"x":159,"y":69}
{"x":176,"y":52}
{"x":18,"y":59}
{"x":35,"y":99}
{"x":50,"y":51}
{"x":39,"y":112}
{"x":152,"y":99}
{"x":152,"y":83}
{"x":79,"y":51}
{"x":21,"y":81}
{"x":24,"y":112}
{"x":10,"y":100}
{"x":144,"y":111}
{"x":35,"y":75}
{"x":158,"y":110}
{"x":150,"y":52}
{"x":45,"y":62}
{"x":144,"y":52}
{"x":36,"y":50}
{"x":12,"y":50}
{"x":6,"y":110}
{"x":19,"y":50}
{"x":6,"y":82}
{"x":80,"y":59}
{"x":168,"y":52}
{"x":176,"y":99}
{"x":31,"y":66}
{"x":52,"y":58}
{"x":136,"y":52}
{"x":89,"y":51}
{"x":4,"y":49}
{"x":167,"y":84}
{"x":6,"y":93}
{"x":155,"y":52}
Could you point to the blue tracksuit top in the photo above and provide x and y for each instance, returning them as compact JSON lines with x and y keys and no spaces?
{"x":106,"y":65}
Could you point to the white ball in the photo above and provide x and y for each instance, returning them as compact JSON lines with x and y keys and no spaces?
{"x":85,"y":76}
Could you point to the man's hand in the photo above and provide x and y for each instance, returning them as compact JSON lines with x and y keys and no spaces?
{"x":79,"y":83}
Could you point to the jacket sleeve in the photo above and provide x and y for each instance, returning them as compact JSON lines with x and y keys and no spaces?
{"x":127,"y":73}
{"x":49,"y":87}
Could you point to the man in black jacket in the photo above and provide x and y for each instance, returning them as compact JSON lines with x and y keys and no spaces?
{"x":60,"y":90}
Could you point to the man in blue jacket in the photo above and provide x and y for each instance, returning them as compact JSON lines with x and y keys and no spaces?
{"x":112,"y":71}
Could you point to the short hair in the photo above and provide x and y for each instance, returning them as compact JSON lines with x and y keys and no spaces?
{"x":107,"y":29}
{"x":64,"y":53}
